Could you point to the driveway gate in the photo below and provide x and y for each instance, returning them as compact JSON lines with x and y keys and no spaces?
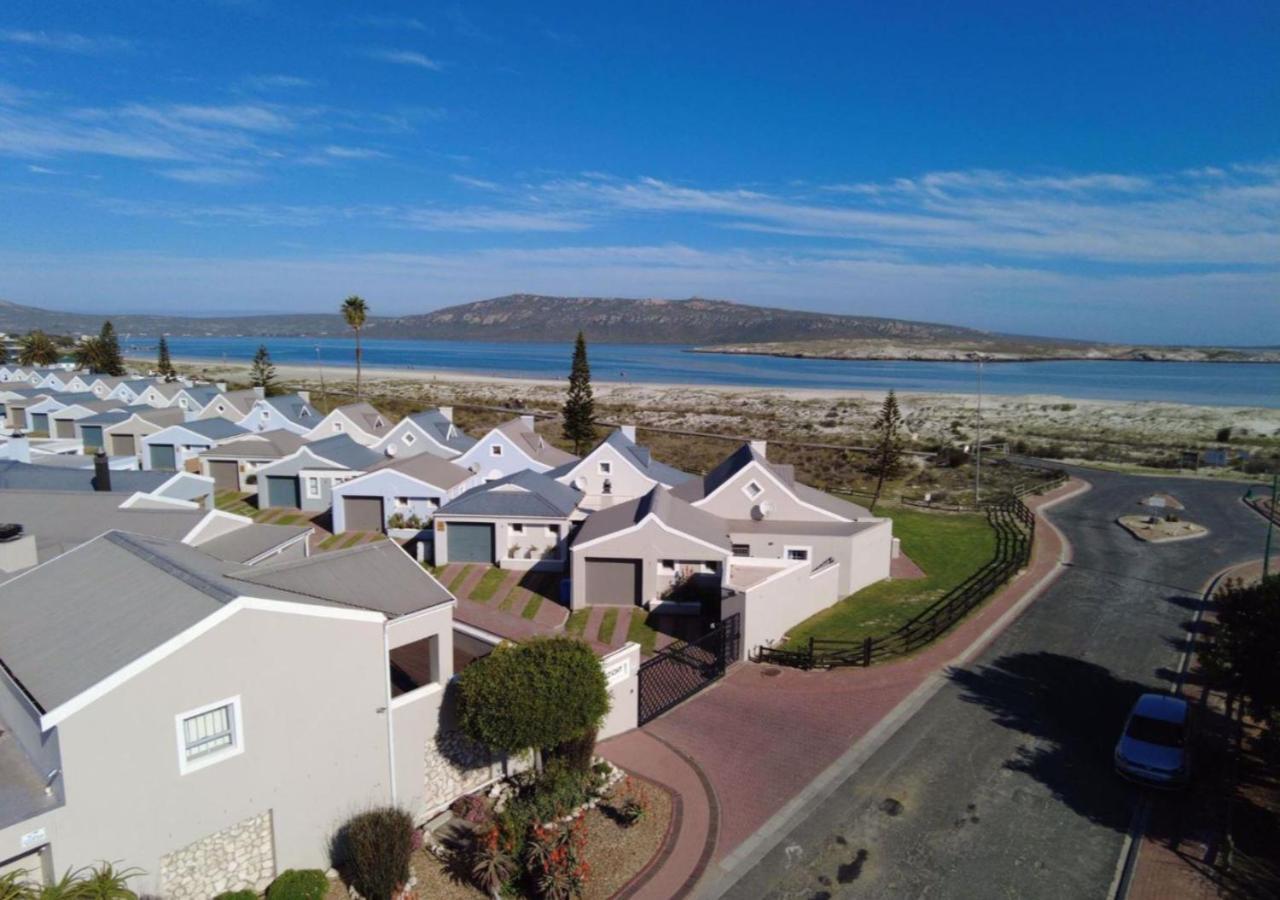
{"x":683,"y":668}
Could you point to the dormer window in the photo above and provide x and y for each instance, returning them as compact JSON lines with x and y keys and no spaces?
{"x":495,"y":450}
{"x":752,"y":489}
{"x":265,"y":414}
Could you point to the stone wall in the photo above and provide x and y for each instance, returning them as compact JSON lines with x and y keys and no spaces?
{"x":456,"y":765}
{"x":242,"y":856}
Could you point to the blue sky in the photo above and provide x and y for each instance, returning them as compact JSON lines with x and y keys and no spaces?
{"x":1104,"y":170}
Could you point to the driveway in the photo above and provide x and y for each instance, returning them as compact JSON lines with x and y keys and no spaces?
{"x":1001,"y":784}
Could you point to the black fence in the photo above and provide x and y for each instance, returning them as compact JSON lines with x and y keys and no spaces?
{"x":681,"y":669}
{"x":1015,"y":527}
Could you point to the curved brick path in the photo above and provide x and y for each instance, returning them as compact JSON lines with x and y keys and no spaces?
{"x":756,"y":740}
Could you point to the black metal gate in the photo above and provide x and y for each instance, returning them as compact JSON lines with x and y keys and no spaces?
{"x":683,"y":668}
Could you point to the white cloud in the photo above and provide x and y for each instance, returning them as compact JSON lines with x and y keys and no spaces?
{"x":405,"y":22}
{"x":340,"y":152}
{"x":276,"y":82}
{"x":66,"y":41}
{"x":212,"y":175}
{"x":406,"y":58}
{"x":478,"y":183}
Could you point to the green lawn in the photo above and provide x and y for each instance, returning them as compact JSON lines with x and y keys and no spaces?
{"x":638,"y":630}
{"x":531,"y":608}
{"x":457,"y":580}
{"x":577,"y":622}
{"x":328,"y":542}
{"x":608,"y":622}
{"x":484,"y":590}
{"x":949,"y":547}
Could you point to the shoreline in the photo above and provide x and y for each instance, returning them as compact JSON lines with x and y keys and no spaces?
{"x":956,"y":357}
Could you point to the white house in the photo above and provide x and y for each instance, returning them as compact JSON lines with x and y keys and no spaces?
{"x":512,"y":447}
{"x":292,"y":412}
{"x":413,"y":487}
{"x":172,"y":447}
{"x":617,"y":470}
{"x":359,"y":421}
{"x":430,"y":431}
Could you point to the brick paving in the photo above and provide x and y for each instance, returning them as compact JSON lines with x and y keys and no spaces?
{"x":763,"y":733}
{"x":904,"y":568}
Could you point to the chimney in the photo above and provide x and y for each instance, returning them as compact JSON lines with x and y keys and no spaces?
{"x":447,"y":412}
{"x":628,"y":432}
{"x":528,"y":421}
{"x":305,"y":395}
{"x":221,"y":386}
{"x":17,"y":550}
{"x":101,"y":471}
{"x":259,"y":391}
{"x":760,"y":447}
{"x":19,"y":447}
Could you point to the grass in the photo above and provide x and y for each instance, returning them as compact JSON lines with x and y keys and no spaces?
{"x":484,"y":590}
{"x":638,"y":630}
{"x":328,"y":542}
{"x":354,"y":539}
{"x":608,"y":622}
{"x":456,"y":584}
{"x":232,"y":502}
{"x":531,"y":608}
{"x":577,"y":622}
{"x":508,"y":603}
{"x":948,"y":547}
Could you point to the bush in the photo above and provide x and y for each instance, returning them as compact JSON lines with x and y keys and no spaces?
{"x":246,"y":894}
{"x":1224,"y":435}
{"x":579,"y":752}
{"x":299,"y":884}
{"x":472,"y":808}
{"x":378,"y":845}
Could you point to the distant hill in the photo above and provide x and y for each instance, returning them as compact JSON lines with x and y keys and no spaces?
{"x":524,"y":317}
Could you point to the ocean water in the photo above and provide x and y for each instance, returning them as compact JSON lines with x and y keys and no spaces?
{"x":1214,"y":384}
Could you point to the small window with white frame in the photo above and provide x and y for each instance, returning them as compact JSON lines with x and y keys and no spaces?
{"x":337,"y":426}
{"x":409,"y":439}
{"x":517,"y":527}
{"x":209,"y":734}
{"x":606,"y":467}
{"x":495,"y":449}
{"x":752,"y":489}
{"x":313,"y":487}
{"x":667,"y":565}
{"x":797,"y":554}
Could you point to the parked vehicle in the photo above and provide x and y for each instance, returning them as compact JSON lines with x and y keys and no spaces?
{"x":1155,"y":746}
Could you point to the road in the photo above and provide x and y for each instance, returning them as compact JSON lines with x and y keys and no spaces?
{"x":1001,"y":785}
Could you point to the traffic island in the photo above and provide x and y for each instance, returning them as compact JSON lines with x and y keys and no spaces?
{"x":1158,"y":530}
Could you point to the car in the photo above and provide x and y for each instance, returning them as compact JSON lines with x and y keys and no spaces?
{"x":1155,"y":747}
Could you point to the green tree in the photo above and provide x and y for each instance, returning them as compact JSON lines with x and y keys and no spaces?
{"x":263,"y":372}
{"x":88,"y":354}
{"x":579,"y":412}
{"x":886,"y":456}
{"x":4,"y":352}
{"x":37,"y":349}
{"x":538,"y":695}
{"x":355,"y":310}
{"x":164,"y":364}
{"x":1244,"y":656}
{"x":112,"y":362}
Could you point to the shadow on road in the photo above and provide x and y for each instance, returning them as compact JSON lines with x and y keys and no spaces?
{"x":1071,"y":712}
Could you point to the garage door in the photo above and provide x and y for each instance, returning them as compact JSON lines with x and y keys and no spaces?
{"x":282,"y":490}
{"x":362,"y":513}
{"x":470,"y":542}
{"x":40,"y":422}
{"x":124,"y":445}
{"x":65,"y":428}
{"x":91,"y":435}
{"x":163,"y":457}
{"x":226,"y":474}
{"x":613,"y":582}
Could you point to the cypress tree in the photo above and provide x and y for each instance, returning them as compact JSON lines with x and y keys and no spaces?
{"x":111,"y":362}
{"x":263,"y":372}
{"x":579,"y":412}
{"x":886,"y":459}
{"x":164,"y":365}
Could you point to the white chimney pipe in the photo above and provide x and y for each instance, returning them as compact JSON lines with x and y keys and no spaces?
{"x":761,"y":447}
{"x":628,"y":432}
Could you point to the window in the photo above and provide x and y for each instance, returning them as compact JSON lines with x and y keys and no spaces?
{"x":667,"y":565}
{"x":182,"y":402}
{"x":517,"y":527}
{"x":495,"y":450}
{"x":209,"y":734}
{"x":415,"y":665}
{"x":265,"y":414}
{"x":409,"y":439}
{"x":798,"y":554}
{"x":221,"y":408}
{"x":402,"y":502}
{"x":606,"y":467}
{"x":608,"y":487}
{"x":337,"y":426}
{"x":313,"y":486}
{"x":741,"y":549}
{"x":753,"y":489}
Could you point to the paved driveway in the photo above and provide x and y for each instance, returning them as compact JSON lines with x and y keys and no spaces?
{"x":1001,"y":786}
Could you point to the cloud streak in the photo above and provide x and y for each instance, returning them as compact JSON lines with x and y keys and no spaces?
{"x":410,"y":58}
{"x":66,"y":41}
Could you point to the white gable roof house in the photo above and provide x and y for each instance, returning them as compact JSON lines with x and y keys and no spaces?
{"x":233,"y":405}
{"x":617,"y":470}
{"x":359,"y":421}
{"x":430,"y":431}
{"x":512,"y":447}
{"x":292,"y":412}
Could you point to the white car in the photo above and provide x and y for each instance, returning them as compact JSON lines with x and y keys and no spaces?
{"x":1155,"y":746}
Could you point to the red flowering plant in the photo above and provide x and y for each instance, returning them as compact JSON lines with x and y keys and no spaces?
{"x":555,"y":860}
{"x":633,"y":803}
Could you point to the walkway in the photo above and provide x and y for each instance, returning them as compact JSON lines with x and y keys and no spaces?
{"x":764,"y":734}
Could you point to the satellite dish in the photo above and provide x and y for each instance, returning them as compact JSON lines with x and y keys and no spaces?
{"x":580,"y":483}
{"x":392,"y":450}
{"x":475,"y":468}
{"x":762,"y":510}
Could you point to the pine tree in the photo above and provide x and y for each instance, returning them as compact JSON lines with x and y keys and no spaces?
{"x":263,"y":373}
{"x":112,"y":362}
{"x":164,"y":365}
{"x":886,"y":458}
{"x":580,"y":406}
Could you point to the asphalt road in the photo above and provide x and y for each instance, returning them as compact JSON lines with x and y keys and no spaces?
{"x":1001,"y":785}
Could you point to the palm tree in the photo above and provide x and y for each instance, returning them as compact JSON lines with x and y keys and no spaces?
{"x":355,"y":311}
{"x":37,"y":349}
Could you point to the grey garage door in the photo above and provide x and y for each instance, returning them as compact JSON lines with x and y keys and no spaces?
{"x":125,"y":444}
{"x":226,"y":474}
{"x":470,"y":542}
{"x":92,"y":436}
{"x":362,"y":513}
{"x":613,"y":582}
{"x":64,"y":428}
{"x":282,"y":490}
{"x":163,"y":456}
{"x":40,"y":422}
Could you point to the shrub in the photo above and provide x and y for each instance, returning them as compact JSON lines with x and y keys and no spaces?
{"x":633,"y":803}
{"x":1224,"y":435}
{"x":395,"y":520}
{"x":299,"y":884}
{"x":578,"y":752}
{"x":378,"y":845}
{"x":245,"y":894}
{"x":491,"y":865}
{"x":472,"y":808}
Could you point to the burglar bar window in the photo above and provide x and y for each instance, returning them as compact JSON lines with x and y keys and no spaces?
{"x":209,"y":735}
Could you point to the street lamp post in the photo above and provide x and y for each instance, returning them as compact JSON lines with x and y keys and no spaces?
{"x":320,"y":365}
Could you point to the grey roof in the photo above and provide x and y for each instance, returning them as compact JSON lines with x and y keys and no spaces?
{"x":214,"y":429}
{"x":523,"y":494}
{"x":107,"y":419}
{"x":110,"y":381}
{"x":36,"y":477}
{"x":68,"y":398}
{"x":251,"y":541}
{"x":666,"y":508}
{"x":816,"y":527}
{"x":275,"y":444}
{"x":638,"y":456}
{"x":201,"y":393}
{"x":366,"y":416}
{"x":161,"y":416}
{"x":240,"y":401}
{"x":67,"y":625}
{"x":167,"y":389}
{"x":427,"y":468}
{"x":94,"y":404}
{"x":378,"y":576}
{"x":293,"y":407}
{"x":534,"y":444}
{"x":442,"y":430}
{"x":695,"y":489}
{"x":345,"y":453}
